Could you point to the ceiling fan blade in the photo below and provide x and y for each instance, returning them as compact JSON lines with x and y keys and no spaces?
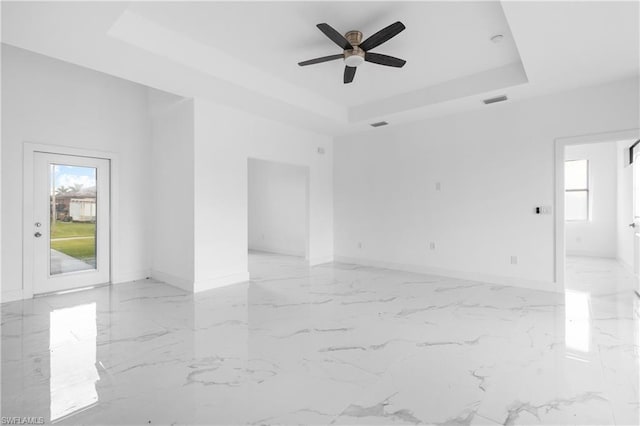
{"x":382,"y":36}
{"x":349,"y":73}
{"x":323,"y":59}
{"x":387,"y":60}
{"x":335,"y":36}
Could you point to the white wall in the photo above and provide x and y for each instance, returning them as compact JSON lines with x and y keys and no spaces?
{"x":624,"y":209}
{"x":277,"y":207}
{"x":494,"y":166}
{"x":51,"y":102}
{"x":224,"y":139}
{"x":192,"y":154}
{"x":172,"y":182}
{"x":598,"y":236}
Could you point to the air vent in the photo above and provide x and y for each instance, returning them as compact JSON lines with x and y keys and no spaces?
{"x":379,"y":124}
{"x":494,"y":100}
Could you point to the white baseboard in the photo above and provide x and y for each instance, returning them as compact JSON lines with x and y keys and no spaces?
{"x":472,"y":276}
{"x":200,"y":285}
{"x":181,"y":283}
{"x":11,"y":296}
{"x":277,"y":250}
{"x":216,"y":282}
{"x":125,"y":277}
{"x":587,"y":253}
{"x":320,"y":260}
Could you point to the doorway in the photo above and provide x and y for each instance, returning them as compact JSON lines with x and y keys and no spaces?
{"x":632,"y":182}
{"x":594,"y":211}
{"x":69,"y":222}
{"x":278,"y":213}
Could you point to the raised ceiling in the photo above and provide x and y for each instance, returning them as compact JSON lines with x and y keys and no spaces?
{"x":443,"y":41}
{"x":245,"y":54}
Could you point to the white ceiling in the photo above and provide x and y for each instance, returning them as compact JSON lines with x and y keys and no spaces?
{"x":245,"y":54}
{"x":442,"y":41}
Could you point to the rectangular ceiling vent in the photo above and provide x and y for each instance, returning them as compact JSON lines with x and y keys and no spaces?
{"x":494,"y":100}
{"x":379,"y":124}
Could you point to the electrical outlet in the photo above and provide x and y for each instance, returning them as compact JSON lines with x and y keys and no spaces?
{"x":514,"y":260}
{"x":432,"y":245}
{"x":438,"y":186}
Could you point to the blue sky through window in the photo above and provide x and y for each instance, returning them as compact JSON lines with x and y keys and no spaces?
{"x":69,"y":176}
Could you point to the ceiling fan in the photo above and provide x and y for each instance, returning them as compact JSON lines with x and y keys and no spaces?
{"x":357,"y":51}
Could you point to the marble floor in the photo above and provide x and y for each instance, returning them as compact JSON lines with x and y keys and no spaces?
{"x":332,"y":344}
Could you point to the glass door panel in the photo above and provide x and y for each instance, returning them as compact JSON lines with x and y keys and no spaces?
{"x":73,"y":218}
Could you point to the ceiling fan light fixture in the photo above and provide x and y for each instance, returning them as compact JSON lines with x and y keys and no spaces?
{"x":353,"y":57}
{"x":353,"y":61}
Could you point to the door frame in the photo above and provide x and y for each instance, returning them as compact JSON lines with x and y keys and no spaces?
{"x":559,"y":226}
{"x":29,"y":149}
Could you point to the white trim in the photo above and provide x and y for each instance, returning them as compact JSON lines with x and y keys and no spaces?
{"x":125,"y":277}
{"x":276,"y":250}
{"x":449,"y":273}
{"x":200,"y":285}
{"x":307,"y":200}
{"x":221,"y":281}
{"x":173,"y":280}
{"x":28,"y":150}
{"x":590,"y":253}
{"x":320,"y":260}
{"x":559,"y":225}
{"x":71,"y":290}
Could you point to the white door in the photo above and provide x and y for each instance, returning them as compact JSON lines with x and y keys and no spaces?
{"x":636,"y":213}
{"x":70,"y":222}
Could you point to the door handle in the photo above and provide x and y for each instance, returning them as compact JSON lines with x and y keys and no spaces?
{"x":633,"y":225}
{"x":37,"y":235}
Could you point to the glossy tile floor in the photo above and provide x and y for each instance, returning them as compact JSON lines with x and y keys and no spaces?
{"x":334,"y":344}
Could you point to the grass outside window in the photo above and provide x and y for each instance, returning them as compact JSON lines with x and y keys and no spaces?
{"x":74,"y":239}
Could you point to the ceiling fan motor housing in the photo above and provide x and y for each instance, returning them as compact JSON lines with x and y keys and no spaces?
{"x":355,"y":56}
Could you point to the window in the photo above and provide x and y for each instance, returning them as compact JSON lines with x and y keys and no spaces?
{"x":576,"y":186}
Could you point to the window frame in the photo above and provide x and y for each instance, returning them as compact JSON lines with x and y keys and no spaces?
{"x":587,"y":189}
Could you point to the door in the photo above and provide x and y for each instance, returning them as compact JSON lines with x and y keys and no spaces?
{"x":636,"y":213}
{"x":70,"y":222}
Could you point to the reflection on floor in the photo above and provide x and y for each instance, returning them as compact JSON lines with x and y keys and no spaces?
{"x":335,"y":344}
{"x":598,"y":275}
